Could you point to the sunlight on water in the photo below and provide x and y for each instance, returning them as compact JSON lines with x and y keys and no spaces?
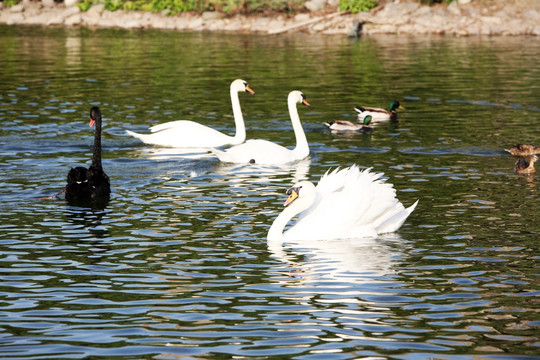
{"x":177,"y":264}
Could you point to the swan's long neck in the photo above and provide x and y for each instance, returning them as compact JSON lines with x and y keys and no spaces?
{"x":302,"y":147}
{"x":96,"y":156}
{"x":240,"y":135}
{"x":275,"y":234}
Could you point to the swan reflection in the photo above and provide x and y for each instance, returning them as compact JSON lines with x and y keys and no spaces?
{"x":354,"y":261}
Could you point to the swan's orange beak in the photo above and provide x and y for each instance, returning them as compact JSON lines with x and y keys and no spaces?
{"x":249,"y":90}
{"x":92,"y":122}
{"x":292,"y":196}
{"x":304,"y":101}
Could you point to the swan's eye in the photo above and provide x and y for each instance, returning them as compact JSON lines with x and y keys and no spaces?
{"x":295,"y":189}
{"x":86,"y":180}
{"x":293,"y":194}
{"x":78,"y":182}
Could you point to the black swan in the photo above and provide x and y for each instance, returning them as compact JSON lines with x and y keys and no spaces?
{"x":83,"y":183}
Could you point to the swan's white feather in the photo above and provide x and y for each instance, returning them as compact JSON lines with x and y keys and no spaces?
{"x":350,"y":203}
{"x":185,"y":133}
{"x":190,"y":134}
{"x":265,"y":152}
{"x":257,"y":151}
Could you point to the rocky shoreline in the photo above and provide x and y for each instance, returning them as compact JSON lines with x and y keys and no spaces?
{"x":460,"y":18}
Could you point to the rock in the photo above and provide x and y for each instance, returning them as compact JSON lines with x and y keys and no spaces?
{"x":211,"y":15}
{"x":70,"y":3}
{"x":532,"y":14}
{"x":333,"y":3}
{"x":492,"y":20}
{"x":301,"y":17}
{"x":17,"y":8}
{"x":388,"y":29}
{"x":464,"y":2}
{"x":315,"y":5}
{"x":96,"y":10}
{"x":48,"y":3}
{"x":73,"y":20}
{"x":195,"y":23}
{"x":454,"y":9}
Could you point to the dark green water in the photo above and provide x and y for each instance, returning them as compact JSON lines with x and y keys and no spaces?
{"x":177,"y":265}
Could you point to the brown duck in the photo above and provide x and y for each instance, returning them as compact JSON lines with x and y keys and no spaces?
{"x":523,"y":150}
{"x":526,"y":165}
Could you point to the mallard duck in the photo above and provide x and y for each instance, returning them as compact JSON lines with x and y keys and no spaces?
{"x":523,"y":150}
{"x":526,"y":165}
{"x":379,"y":114}
{"x":342,"y":125}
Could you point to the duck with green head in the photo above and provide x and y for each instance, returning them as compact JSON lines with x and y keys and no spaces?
{"x":342,"y":125}
{"x":379,"y":114}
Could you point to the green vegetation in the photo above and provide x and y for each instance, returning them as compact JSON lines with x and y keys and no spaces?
{"x":11,"y":2}
{"x":227,"y":6}
{"x":356,"y":6}
{"x":178,"y":6}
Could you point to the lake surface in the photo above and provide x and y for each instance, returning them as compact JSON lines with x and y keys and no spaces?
{"x":176,"y":265}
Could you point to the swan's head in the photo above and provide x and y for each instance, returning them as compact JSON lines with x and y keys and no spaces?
{"x":95,"y":115}
{"x":240,"y":85}
{"x":304,"y":191}
{"x":396,"y":105}
{"x":297,"y":97}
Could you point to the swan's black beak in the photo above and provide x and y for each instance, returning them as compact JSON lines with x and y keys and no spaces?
{"x":293,"y":194}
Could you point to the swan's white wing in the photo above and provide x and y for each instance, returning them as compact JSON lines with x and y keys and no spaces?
{"x":168,"y":125}
{"x":184,"y":133}
{"x":394,"y":222}
{"x":350,"y":203}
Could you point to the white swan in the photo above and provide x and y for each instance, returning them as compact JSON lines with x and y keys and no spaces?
{"x":190,"y":134}
{"x":346,"y":204}
{"x":266,"y":152}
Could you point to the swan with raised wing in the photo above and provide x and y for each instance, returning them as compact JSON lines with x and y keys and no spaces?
{"x":346,"y":204}
{"x":191,"y":134}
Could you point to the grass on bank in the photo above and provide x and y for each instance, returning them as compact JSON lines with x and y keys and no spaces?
{"x":226,"y":6}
